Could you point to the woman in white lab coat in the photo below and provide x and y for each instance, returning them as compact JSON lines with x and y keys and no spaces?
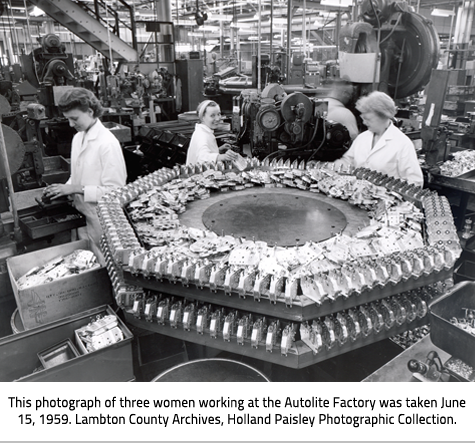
{"x":383,"y":147}
{"x":203,"y":146}
{"x":97,"y":161}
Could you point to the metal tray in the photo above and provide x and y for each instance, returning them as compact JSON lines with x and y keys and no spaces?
{"x":464,"y":182}
{"x":38,"y":222}
{"x":444,"y":334}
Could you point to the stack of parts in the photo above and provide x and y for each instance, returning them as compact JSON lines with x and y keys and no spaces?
{"x":100,"y":333}
{"x":75,"y":263}
{"x":462,"y":162}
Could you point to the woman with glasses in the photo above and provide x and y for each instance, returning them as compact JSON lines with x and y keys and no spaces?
{"x":203,"y":146}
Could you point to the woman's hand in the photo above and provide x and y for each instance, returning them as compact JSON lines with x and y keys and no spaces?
{"x":224,"y":148}
{"x":55,"y":191}
{"x":228,"y":156}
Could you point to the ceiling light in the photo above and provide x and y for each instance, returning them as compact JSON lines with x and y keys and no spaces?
{"x":221,"y":17}
{"x":340,"y":3}
{"x":36,"y":12}
{"x":442,"y":12}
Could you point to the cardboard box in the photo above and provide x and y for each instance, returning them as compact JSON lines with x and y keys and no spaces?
{"x":122,"y":133}
{"x":62,"y":298}
{"x":19,"y":353}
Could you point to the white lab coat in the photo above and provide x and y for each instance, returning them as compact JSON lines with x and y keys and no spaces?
{"x":97,"y":163}
{"x":393,"y":154}
{"x":203,"y":146}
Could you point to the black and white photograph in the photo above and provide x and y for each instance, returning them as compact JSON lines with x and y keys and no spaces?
{"x":204,"y":192}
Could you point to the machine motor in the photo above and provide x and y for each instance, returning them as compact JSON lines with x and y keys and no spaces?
{"x":273,"y":120}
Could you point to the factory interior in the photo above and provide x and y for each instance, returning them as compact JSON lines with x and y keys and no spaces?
{"x":271,"y":260}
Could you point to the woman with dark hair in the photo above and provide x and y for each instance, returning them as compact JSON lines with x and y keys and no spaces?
{"x":383,"y":147}
{"x":203,"y":146}
{"x":97,"y":161}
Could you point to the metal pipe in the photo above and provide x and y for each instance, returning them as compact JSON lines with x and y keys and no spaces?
{"x":289,"y":36}
{"x":259,"y":75}
{"x":468,"y":29}
{"x":271,"y":28}
{"x":304,"y":29}
{"x":450,"y":37}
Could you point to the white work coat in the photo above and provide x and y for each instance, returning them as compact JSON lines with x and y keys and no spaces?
{"x":203,"y":146}
{"x":393,"y":154}
{"x":97,"y":163}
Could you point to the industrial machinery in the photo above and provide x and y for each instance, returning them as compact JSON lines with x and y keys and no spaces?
{"x":228,"y":81}
{"x":393,"y":49}
{"x":407,"y":42}
{"x":294,"y":126}
{"x":46,"y":67}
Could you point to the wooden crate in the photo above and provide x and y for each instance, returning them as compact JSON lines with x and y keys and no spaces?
{"x":62,"y":298}
{"x":122,"y":133}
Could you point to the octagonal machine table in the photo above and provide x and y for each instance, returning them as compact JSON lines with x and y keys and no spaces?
{"x":286,"y":217}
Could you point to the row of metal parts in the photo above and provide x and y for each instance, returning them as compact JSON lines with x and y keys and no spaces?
{"x":123,"y":242}
{"x":393,"y":184}
{"x":350,"y":278}
{"x":440,"y":226}
{"x":124,"y":293}
{"x":323,"y":333}
{"x":359,"y":322}
{"x":222,"y":322}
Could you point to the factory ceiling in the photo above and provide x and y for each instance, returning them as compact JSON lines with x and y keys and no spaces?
{"x":228,"y":10}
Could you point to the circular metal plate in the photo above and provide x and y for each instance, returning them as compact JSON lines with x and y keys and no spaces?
{"x":292,"y":100}
{"x":211,"y":370}
{"x":285,"y":219}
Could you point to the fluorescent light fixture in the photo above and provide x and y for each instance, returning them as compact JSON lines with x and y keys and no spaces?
{"x":242,"y":25}
{"x":340,"y":3}
{"x":36,"y":12}
{"x":221,"y":17}
{"x":280,"y":20}
{"x":442,"y":12}
{"x":253,"y":38}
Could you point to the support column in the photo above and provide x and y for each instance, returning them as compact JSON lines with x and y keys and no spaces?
{"x":463,"y":28}
{"x":163,"y":12}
